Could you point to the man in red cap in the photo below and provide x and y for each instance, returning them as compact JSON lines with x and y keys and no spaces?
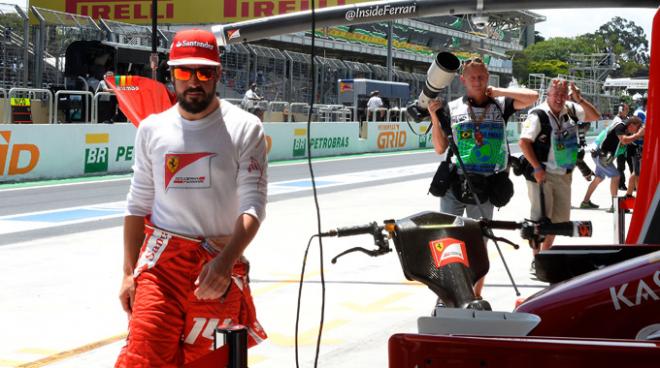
{"x":197,"y":198}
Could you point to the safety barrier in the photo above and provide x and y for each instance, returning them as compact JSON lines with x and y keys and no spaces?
{"x":396,"y":114}
{"x":380,"y":114}
{"x":87,"y":97}
{"x":95,"y":104}
{"x":41,"y":103}
{"x":277,"y":112}
{"x":72,"y":150}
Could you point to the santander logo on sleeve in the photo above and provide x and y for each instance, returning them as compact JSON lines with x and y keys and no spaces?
{"x":188,"y":170}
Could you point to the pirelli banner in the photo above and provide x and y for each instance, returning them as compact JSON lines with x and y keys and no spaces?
{"x":184,"y":11}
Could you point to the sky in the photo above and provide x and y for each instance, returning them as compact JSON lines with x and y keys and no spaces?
{"x":564,"y":22}
{"x":583,"y":21}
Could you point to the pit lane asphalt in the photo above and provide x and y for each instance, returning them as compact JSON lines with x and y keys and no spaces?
{"x":51,"y":197}
{"x":59,"y":297}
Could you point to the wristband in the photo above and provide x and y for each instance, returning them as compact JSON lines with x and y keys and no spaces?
{"x":537,"y":169}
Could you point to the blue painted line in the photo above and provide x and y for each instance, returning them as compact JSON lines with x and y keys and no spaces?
{"x":66,"y":215}
{"x":306,"y":183}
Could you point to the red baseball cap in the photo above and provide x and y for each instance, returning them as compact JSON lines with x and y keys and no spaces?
{"x":194,"y":47}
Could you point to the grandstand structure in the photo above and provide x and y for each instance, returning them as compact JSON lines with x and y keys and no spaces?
{"x":53,"y":50}
{"x":280,"y":64}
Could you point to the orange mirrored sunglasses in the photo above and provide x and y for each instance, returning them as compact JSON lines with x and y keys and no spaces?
{"x":202,"y":74}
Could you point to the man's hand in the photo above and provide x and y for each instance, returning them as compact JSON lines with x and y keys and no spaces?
{"x":575,"y":93}
{"x":434,"y":105}
{"x":489,"y":91}
{"x":539,"y":175}
{"x":127,"y":294}
{"x":214,"y":280}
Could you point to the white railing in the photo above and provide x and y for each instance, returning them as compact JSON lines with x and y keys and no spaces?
{"x":4,"y":106}
{"x":95,"y":104}
{"x":87,"y":97}
{"x":34,"y":94}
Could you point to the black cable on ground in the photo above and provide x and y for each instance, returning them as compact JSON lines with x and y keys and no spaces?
{"x":300,"y":286}
{"x":316,"y":201}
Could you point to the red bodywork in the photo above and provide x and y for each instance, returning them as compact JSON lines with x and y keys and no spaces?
{"x":616,"y":302}
{"x":413,"y":350}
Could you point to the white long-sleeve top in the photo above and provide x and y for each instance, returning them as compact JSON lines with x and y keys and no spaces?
{"x":197,"y":177}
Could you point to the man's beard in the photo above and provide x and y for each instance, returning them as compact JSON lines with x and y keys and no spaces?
{"x":195,"y":106}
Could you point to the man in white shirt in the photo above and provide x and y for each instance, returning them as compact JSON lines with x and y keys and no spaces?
{"x":374,"y":103}
{"x":250,"y":98}
{"x":196,"y":200}
{"x":549,"y":141}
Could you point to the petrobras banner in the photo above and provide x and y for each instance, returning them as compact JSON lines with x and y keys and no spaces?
{"x":183,"y":11}
{"x":44,"y":151}
{"x":289,"y":140}
{"x":64,"y":151}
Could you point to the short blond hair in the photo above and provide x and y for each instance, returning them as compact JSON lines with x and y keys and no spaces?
{"x":470,"y":64}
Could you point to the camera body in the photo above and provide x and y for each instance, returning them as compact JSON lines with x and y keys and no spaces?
{"x":440,"y":74}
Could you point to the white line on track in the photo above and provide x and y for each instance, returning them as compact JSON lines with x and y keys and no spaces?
{"x":82,"y":214}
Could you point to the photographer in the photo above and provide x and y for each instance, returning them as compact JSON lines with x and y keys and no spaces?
{"x":611,"y":143}
{"x":477,"y":123}
{"x":549,"y":142}
{"x":637,"y":148}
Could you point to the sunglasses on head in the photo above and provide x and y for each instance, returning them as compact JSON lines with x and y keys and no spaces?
{"x":203,"y":74}
{"x":473,"y":60}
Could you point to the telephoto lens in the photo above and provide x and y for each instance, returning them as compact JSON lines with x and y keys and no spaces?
{"x":440,"y":74}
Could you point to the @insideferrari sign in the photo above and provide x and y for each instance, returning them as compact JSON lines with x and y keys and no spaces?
{"x":183,"y":11}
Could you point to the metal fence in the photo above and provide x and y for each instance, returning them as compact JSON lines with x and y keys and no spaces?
{"x":268,"y":71}
{"x":300,"y":69}
{"x":14,"y":49}
{"x":329,"y":71}
{"x":591,"y":89}
{"x":54,"y":32}
{"x":133,"y":34}
{"x":235,"y":71}
{"x":358,"y":70}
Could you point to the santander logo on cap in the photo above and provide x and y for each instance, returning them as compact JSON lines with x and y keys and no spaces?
{"x":194,"y":47}
{"x":186,"y":43}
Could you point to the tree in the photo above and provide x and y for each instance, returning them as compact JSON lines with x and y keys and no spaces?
{"x":549,"y":67}
{"x":623,"y":38}
{"x":11,"y":20}
{"x":627,"y":42}
{"x":537,"y":37}
{"x":626,"y":39}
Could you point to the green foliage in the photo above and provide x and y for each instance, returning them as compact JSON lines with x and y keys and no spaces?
{"x":520,"y":66}
{"x":622,"y":37}
{"x":558,"y":48}
{"x":11,"y":20}
{"x":537,"y":37}
{"x":626,"y":39}
{"x":549,"y":67}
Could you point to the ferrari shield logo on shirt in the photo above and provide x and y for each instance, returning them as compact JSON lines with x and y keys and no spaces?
{"x":188,"y":170}
{"x":448,"y":250}
{"x":173,"y":164}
